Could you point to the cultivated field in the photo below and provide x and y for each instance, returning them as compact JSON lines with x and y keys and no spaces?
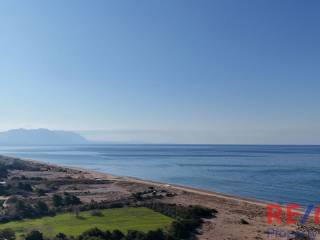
{"x":123,"y":219}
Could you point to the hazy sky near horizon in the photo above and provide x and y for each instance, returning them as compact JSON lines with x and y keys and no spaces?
{"x":206,"y":71}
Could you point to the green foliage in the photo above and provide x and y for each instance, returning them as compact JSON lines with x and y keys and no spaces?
{"x":25,"y":186}
{"x":41,"y":192}
{"x":135,"y":235}
{"x":71,"y":199}
{"x":22,"y":209}
{"x":156,"y":235}
{"x":17,"y":164}
{"x":7,"y":234}
{"x":34,"y":235}
{"x":188,"y":219}
{"x":61,"y":236}
{"x":117,"y":235}
{"x":67,"y":200}
{"x":96,"y":233}
{"x":123,"y":219}
{"x":182,"y":212}
{"x":42,"y":208}
{"x":3,"y":172}
{"x":57,"y":200}
{"x":111,"y":224}
{"x":183,"y":229}
{"x":3,"y":190}
{"x":201,"y":212}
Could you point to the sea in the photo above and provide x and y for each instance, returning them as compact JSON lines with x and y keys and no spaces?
{"x":277,"y":173}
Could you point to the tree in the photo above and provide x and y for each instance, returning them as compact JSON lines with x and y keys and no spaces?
{"x":3,"y":190}
{"x":41,"y":192}
{"x":155,"y":235}
{"x":117,"y":235}
{"x":7,"y":234}
{"x":42,"y":207}
{"x":95,"y":233}
{"x":25,"y":186}
{"x":34,"y":235}
{"x":135,"y":235}
{"x":24,"y":209}
{"x":71,"y":199}
{"x":57,"y":200}
{"x":76,"y":211}
{"x":3,"y":172}
{"x":61,"y":236}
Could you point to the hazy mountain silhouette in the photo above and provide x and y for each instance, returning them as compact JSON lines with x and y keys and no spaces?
{"x":40,"y":137}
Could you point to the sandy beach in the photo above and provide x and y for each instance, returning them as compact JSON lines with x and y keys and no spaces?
{"x":237,"y":218}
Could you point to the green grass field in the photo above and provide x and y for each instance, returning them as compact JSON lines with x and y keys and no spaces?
{"x":124,"y":219}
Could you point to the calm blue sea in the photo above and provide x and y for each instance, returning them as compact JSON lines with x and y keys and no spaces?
{"x":276,"y":173}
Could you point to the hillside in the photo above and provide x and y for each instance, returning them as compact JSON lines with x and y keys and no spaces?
{"x":40,"y":137}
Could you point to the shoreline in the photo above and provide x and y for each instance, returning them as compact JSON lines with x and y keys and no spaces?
{"x":190,"y":189}
{"x":228,"y":224}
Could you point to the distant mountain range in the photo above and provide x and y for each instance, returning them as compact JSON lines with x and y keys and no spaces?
{"x":40,"y":137}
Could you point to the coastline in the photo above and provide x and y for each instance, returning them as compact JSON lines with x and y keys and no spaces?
{"x":232,"y":210}
{"x":159,"y":184}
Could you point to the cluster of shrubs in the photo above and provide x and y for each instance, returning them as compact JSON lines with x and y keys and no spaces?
{"x":23,"y":183}
{"x":187,"y":219}
{"x":25,"y":186}
{"x":68,"y":180}
{"x":27,"y":178}
{"x":180,"y":211}
{"x":91,"y":234}
{"x":3,"y":171}
{"x":96,"y":233}
{"x":66,"y":200}
{"x":16,"y":185}
{"x":3,"y":190}
{"x":9,"y":163}
{"x":22,"y":209}
{"x":7,"y":234}
{"x":100,"y":205}
{"x":19,"y":188}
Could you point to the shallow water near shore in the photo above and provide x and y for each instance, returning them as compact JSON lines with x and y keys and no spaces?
{"x":283,"y":174}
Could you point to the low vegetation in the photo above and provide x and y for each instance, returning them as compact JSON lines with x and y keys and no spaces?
{"x":187,"y":219}
{"x":36,"y":206}
{"x":123,"y":219}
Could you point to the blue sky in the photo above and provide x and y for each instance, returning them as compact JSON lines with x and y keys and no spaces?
{"x":163,"y":71}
